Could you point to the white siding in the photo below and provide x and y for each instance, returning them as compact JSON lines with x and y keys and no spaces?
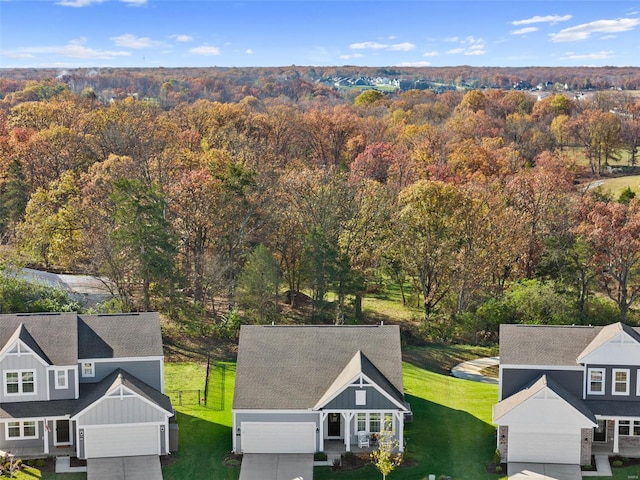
{"x":122,"y":440}
{"x":265,"y":437}
{"x":559,"y":445}
{"x":116,"y":410}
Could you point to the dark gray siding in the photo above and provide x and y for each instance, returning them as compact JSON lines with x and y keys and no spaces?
{"x":347,"y":401}
{"x":514,"y":380}
{"x":608,"y":383}
{"x":149,"y":371}
{"x":65,"y":393}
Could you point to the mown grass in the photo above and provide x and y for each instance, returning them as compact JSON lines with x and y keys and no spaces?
{"x":616,"y":185}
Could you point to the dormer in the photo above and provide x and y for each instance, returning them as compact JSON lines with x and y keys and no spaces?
{"x":615,"y":344}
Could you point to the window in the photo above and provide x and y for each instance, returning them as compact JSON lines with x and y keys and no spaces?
{"x":361,"y":397}
{"x":374,"y":422}
{"x":21,"y":382}
{"x":88,"y":369}
{"x":361,"y":422}
{"x":61,"y":379}
{"x":596,"y":381}
{"x":620,"y":381}
{"x":624,"y":427}
{"x":22,"y":429}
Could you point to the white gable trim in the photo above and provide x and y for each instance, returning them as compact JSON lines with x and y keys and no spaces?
{"x":121,"y":391}
{"x":360,"y":381}
{"x":542,"y":367}
{"x":120,"y":359}
{"x":621,"y":349}
{"x":27,"y":351}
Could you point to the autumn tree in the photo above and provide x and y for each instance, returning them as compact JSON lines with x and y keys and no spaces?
{"x":613,"y":231}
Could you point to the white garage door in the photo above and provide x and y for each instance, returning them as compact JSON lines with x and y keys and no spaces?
{"x":560,"y":446}
{"x":266,"y":437}
{"x":121,"y":441}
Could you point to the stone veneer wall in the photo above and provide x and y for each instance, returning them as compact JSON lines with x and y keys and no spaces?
{"x":586,"y":439}
{"x":503,"y":441}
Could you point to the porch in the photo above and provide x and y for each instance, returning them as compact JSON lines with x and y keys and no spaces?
{"x":617,"y":437}
{"x":338,"y":446}
{"x":25,"y":453}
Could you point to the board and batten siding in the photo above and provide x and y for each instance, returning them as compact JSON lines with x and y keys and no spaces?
{"x":24,"y":362}
{"x":149,"y":371}
{"x":347,"y":401}
{"x":62,"y":393}
{"x":116,"y":410}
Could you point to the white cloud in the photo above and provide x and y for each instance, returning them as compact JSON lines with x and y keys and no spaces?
{"x":456,"y":51}
{"x":589,"y":56}
{"x":394,"y":47}
{"x":470,"y":46}
{"x":584,"y":31}
{"x":248,"y":51}
{"x":452,"y":39}
{"x":73,"y":49}
{"x":543,"y":19}
{"x":17,"y":55}
{"x":349,"y":57}
{"x":78,"y":3}
{"x":206,"y":51}
{"x":524,"y":31}
{"x":182,"y":38}
{"x":415,"y":64}
{"x":131,"y":41}
{"x":135,"y":3}
{"x":430,"y":54}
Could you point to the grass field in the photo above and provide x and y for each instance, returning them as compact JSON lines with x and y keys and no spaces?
{"x":616,"y":185}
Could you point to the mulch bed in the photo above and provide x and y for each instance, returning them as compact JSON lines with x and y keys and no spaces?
{"x":626,"y":462}
{"x":592,"y":466}
{"x":491,"y":468}
{"x":232,"y":460}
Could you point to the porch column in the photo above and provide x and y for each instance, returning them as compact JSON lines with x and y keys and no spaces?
{"x":323,"y":417}
{"x":400,"y":430}
{"x":616,"y":448}
{"x":347,"y":430}
{"x":45,"y":426}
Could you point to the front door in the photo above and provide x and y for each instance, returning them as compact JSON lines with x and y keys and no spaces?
{"x":333,"y":426}
{"x":63,"y":435}
{"x":600,"y":432}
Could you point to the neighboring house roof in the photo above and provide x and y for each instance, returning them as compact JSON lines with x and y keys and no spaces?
{"x":110,"y":336}
{"x":502,"y":408}
{"x":606,"y":334}
{"x":25,"y":337}
{"x":91,"y":393}
{"x":55,"y":334}
{"x":294,"y":367}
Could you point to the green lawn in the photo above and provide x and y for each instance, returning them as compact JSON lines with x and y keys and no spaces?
{"x":618,"y":184}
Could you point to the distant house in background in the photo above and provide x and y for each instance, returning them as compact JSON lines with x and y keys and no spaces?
{"x":300,"y":388}
{"x":89,"y":385}
{"x":567,"y":392}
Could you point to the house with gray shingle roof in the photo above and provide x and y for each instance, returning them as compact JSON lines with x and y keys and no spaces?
{"x":567,"y":392}
{"x":299,"y":388}
{"x":89,"y":385}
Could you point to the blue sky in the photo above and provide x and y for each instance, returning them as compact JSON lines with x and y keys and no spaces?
{"x":202,"y":33}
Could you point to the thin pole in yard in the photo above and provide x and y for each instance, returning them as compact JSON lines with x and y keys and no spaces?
{"x":206,"y":380}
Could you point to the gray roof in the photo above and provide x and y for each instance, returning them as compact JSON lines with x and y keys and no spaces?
{"x":615,"y":408}
{"x":293,"y":367}
{"x":44,"y":408}
{"x":55,"y":334}
{"x":560,"y":345}
{"x":119,"y":335}
{"x":508,"y":404}
{"x":92,"y":392}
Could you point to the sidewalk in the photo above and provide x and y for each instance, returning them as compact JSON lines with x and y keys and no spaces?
{"x":471,"y":370}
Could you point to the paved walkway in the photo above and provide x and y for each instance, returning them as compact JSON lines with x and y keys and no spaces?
{"x":603,"y":467}
{"x":472,"y":369}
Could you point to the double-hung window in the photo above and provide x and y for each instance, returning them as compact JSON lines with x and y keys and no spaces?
{"x":361,"y":422}
{"x":21,"y":430}
{"x":62,"y":381}
{"x":88,"y":369}
{"x":374,"y":422}
{"x":20,"y":382}
{"x":629,"y":428}
{"x":620,"y":381}
{"x":596,"y":381}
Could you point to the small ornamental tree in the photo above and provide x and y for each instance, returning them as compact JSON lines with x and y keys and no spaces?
{"x":384,"y":458}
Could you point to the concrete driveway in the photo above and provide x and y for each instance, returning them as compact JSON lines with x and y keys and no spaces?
{"x":271,"y":466}
{"x":543,"y":471}
{"x":124,"y":468}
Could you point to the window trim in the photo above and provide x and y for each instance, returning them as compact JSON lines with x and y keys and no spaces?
{"x":61,"y":385}
{"x":93,"y":369}
{"x":382,"y":415}
{"x":615,"y":382}
{"x":21,"y":426}
{"x":20,"y":384}
{"x":603,"y":371}
{"x":361,"y":397}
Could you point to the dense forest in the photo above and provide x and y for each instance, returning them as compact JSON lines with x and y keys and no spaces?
{"x":216,"y":196}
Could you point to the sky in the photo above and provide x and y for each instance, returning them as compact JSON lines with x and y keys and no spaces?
{"x":263,"y":33}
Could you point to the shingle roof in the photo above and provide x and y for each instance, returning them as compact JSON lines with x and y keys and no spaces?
{"x":508,"y":404}
{"x":51,"y":408}
{"x":92,"y":392}
{"x":615,"y":408}
{"x":559,"y":345}
{"x":25,"y":337}
{"x":119,"y":335}
{"x":55,"y":334}
{"x":292,"y":367}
